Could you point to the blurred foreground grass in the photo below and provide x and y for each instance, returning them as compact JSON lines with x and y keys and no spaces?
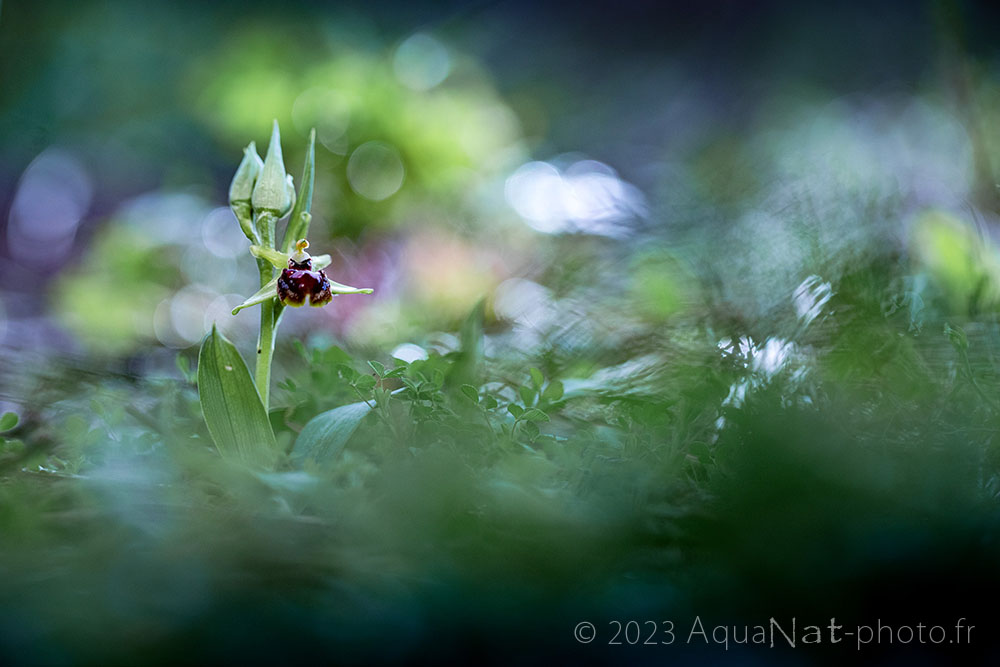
{"x":848,"y":468}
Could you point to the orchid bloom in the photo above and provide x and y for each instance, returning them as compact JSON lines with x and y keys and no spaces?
{"x":302,"y":279}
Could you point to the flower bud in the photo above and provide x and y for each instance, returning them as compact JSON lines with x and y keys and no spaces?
{"x":271,"y":194}
{"x":290,"y":186}
{"x":241,"y":189}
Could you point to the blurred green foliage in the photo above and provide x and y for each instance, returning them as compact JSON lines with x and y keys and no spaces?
{"x":697,"y":476}
{"x":769,"y":387}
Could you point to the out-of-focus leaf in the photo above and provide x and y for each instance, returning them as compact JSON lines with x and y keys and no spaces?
{"x":553,"y":392}
{"x":470,"y":392}
{"x":536,"y":378}
{"x":395,"y":372}
{"x":535,"y":415}
{"x":515,"y":410}
{"x":956,"y":335}
{"x":466,"y":368}
{"x":184,"y":366}
{"x":232,"y":407}
{"x":8,"y":421}
{"x":323,"y":438}
{"x":965,"y":267}
{"x":527,"y":394}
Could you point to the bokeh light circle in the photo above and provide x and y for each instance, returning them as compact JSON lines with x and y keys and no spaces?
{"x":375,"y":170}
{"x":421,"y":62}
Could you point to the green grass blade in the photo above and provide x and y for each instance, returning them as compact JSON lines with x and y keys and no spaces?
{"x":231,"y":405}
{"x":466,"y":370}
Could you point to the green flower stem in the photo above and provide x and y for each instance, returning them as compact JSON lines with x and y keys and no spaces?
{"x":265,"y":351}
{"x":268,"y":317}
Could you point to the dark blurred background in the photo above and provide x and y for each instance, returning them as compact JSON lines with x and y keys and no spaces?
{"x":660,"y":122}
{"x":756,"y":241}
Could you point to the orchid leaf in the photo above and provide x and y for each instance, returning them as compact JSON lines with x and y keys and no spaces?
{"x":324,"y":437}
{"x":233,"y":409}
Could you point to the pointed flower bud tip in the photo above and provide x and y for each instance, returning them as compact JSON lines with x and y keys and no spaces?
{"x":241,"y":189}
{"x":271,"y":191}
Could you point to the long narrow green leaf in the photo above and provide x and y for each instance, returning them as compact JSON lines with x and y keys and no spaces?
{"x":298,"y":221}
{"x":323,"y":438}
{"x":232,"y":407}
{"x":466,"y":368}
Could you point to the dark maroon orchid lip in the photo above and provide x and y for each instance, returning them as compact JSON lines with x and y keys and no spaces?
{"x":296,"y":287}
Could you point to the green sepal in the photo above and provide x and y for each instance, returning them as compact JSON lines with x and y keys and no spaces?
{"x":268,"y":291}
{"x":279,"y":260}
{"x":337,"y":288}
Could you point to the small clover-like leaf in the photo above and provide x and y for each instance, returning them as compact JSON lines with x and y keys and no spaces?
{"x":553,"y":392}
{"x":470,"y":392}
{"x":8,"y":421}
{"x":535,"y":415}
